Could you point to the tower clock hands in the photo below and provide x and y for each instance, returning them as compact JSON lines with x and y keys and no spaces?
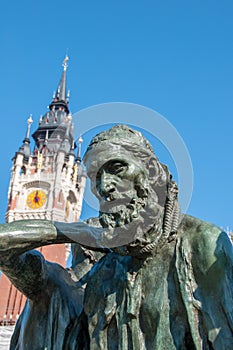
{"x":36,"y":199}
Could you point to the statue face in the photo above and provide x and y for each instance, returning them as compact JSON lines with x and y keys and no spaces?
{"x":130,"y":183}
{"x":121,"y":193}
{"x":115,"y":180}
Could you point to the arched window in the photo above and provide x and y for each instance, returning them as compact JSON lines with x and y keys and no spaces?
{"x":71,"y":197}
{"x":22,"y":170}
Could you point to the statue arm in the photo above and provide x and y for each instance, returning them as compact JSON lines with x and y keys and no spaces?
{"x":20,"y":236}
{"x":27,"y":272}
{"x":25,"y":268}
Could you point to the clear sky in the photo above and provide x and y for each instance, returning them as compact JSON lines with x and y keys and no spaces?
{"x":175,"y":57}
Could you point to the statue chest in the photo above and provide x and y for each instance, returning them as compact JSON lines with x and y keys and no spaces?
{"x":127,"y":303}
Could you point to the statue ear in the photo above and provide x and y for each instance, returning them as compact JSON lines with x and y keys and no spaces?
{"x":158,"y":172}
{"x":153,"y":169}
{"x":158,"y":179}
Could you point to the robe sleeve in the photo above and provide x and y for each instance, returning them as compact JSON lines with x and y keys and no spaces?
{"x":27,"y":272}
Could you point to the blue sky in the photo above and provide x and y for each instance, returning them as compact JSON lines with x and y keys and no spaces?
{"x":175,"y":57}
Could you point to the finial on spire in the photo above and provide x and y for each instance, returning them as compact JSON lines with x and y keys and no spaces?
{"x":25,"y":148}
{"x":80,"y":141}
{"x":46,"y":136}
{"x":65,"y":64}
{"x":29,"y":121}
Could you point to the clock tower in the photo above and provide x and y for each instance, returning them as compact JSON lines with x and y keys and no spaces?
{"x":47,"y":182}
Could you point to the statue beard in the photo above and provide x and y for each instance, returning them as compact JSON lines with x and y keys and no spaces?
{"x":121,"y":213}
{"x":126,"y":220}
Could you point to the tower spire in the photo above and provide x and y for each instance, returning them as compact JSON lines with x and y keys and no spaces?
{"x":53,"y":125}
{"x":60,"y":98}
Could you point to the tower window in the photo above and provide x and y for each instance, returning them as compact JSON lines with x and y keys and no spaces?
{"x":22,"y":170}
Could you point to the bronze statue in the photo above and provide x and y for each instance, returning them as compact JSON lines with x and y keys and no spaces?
{"x":160,"y":280}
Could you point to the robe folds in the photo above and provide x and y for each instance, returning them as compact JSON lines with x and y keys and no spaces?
{"x":179,"y":298}
{"x":50,"y":313}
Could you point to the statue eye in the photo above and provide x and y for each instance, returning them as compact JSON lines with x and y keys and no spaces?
{"x":117,"y":168}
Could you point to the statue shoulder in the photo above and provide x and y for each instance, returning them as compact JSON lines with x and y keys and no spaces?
{"x":207,"y":243}
{"x":197,"y":229}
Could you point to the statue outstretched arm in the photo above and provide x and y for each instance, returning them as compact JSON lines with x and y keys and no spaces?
{"x":20,"y":236}
{"x":25,"y":268}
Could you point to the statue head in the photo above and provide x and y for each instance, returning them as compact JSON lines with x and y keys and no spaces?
{"x":131,"y":184}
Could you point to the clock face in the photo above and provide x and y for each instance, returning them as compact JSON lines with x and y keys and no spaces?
{"x":36,"y":199}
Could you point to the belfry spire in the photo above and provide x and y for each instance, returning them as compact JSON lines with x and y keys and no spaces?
{"x":60,"y":98}
{"x":54,"y":122}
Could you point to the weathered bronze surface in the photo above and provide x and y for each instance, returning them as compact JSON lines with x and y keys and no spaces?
{"x":143,"y":275}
